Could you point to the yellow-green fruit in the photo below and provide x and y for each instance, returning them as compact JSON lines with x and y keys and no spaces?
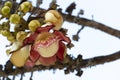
{"x":21,"y":35}
{"x":5,"y":10}
{"x":33,"y":25}
{"x":5,"y":33}
{"x":19,"y":57}
{"x":15,"y":19}
{"x":26,"y":6}
{"x":8,"y":3}
{"x":11,"y":38}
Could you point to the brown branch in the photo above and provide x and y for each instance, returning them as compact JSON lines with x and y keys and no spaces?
{"x":100,"y":60}
{"x":92,"y":24}
{"x":72,"y":64}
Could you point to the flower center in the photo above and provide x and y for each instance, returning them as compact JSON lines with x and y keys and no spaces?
{"x":46,"y":44}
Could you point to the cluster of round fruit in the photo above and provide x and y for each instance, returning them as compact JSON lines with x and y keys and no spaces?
{"x":6,"y":8}
{"x":52,"y":17}
{"x":15,"y":18}
{"x":24,"y":7}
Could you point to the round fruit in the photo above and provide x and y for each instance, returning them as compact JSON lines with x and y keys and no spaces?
{"x":33,"y":25}
{"x":8,"y":3}
{"x":26,"y":6}
{"x":15,"y":19}
{"x":5,"y":10}
{"x":11,"y":38}
{"x":5,"y":33}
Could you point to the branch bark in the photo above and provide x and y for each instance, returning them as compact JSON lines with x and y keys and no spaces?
{"x":100,"y":60}
{"x":72,"y":64}
{"x":91,"y":24}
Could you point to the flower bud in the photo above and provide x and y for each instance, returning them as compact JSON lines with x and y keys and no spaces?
{"x":26,"y":6}
{"x":21,"y":35}
{"x":33,"y":25}
{"x":15,"y":19}
{"x":55,"y":18}
{"x":9,"y":4}
{"x":11,"y":38}
{"x":5,"y":10}
{"x":5,"y":33}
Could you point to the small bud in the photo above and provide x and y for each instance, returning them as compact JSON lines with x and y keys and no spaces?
{"x":55,"y":18}
{"x":26,"y":7}
{"x":33,"y":25}
{"x":15,"y":19}
{"x":5,"y":33}
{"x":21,"y":35}
{"x":8,"y":52}
{"x":9,"y":4}
{"x":5,"y":10}
{"x":11,"y":38}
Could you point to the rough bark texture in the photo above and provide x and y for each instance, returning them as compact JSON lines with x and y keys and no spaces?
{"x":92,"y":24}
{"x":71,"y":64}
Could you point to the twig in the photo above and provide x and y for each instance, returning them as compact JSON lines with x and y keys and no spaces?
{"x":76,"y":36}
{"x":31,"y":75}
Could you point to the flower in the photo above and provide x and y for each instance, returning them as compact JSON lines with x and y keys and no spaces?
{"x":43,"y":45}
{"x":47,"y":47}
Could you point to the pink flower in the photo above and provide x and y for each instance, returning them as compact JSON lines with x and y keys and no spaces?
{"x":46,"y":47}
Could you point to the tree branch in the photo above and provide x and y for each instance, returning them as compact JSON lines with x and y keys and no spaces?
{"x":100,"y":60}
{"x":92,"y":24}
{"x":72,"y":64}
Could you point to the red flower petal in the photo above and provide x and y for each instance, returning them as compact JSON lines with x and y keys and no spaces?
{"x":61,"y":51}
{"x":47,"y":61}
{"x":30,"y":39}
{"x":61,"y":36}
{"x":34,"y":55}
{"x":29,"y":64}
{"x":44,"y":29}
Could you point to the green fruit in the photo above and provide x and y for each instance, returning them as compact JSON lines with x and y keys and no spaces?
{"x":11,"y":38}
{"x":5,"y":33}
{"x":33,"y":25}
{"x":26,"y":7}
{"x":15,"y":19}
{"x":5,"y":10}
{"x":9,"y":4}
